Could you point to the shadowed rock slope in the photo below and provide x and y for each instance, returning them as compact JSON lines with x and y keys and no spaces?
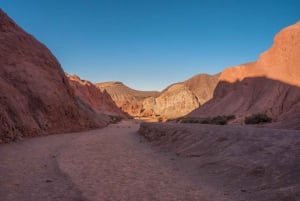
{"x":269,"y":85}
{"x":35,"y":96}
{"x":244,"y":163}
{"x":91,"y":95}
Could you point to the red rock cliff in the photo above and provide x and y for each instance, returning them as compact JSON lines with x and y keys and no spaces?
{"x":35,"y":96}
{"x":91,"y":95}
{"x":270,"y":85}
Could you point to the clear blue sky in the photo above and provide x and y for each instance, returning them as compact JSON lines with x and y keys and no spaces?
{"x":149,"y":44}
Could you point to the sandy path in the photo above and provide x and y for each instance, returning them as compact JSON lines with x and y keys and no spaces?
{"x":29,"y":171}
{"x":113,"y":163}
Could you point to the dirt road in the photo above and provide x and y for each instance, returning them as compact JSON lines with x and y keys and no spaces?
{"x":109,"y":164}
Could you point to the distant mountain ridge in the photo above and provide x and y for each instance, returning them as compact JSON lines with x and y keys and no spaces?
{"x":116,"y":88}
{"x":176,"y":100}
{"x":129,"y":100}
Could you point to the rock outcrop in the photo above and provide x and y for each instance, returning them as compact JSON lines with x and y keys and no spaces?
{"x":203,"y":86}
{"x":270,"y":85}
{"x":181,"y":98}
{"x":35,"y":96}
{"x":175,"y":101}
{"x":129,"y":100}
{"x":91,"y":95}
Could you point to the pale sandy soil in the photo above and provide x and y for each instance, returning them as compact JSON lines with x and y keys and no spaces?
{"x":109,"y":164}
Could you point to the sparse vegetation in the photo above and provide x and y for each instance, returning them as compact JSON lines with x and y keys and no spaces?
{"x":218,"y":120}
{"x":115,"y":119}
{"x":258,"y":119}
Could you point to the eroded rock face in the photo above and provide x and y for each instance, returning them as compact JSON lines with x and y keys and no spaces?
{"x":91,"y":95}
{"x":181,"y":98}
{"x":279,"y":63}
{"x":203,"y":86}
{"x":175,"y":101}
{"x":269,"y":85}
{"x":35,"y":96}
{"x":129,"y":100}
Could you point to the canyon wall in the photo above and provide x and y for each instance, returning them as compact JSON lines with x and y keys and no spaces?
{"x":92,"y":96}
{"x":270,"y":85}
{"x":175,"y":101}
{"x":35,"y":95}
{"x":129,"y":100}
{"x":181,"y":98}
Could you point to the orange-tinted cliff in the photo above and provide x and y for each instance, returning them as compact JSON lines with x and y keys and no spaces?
{"x":269,"y":85}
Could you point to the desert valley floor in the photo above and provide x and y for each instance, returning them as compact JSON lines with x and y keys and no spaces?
{"x":117,"y":163}
{"x":113,"y":163}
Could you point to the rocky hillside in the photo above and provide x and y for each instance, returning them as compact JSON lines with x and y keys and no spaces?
{"x":129,"y":100}
{"x":181,"y":98}
{"x":203,"y":86}
{"x":35,"y":96}
{"x":175,"y":101}
{"x":91,"y":95}
{"x":270,"y":85}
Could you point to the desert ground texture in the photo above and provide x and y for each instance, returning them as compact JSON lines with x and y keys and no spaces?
{"x":127,"y":162}
{"x":113,"y":163}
